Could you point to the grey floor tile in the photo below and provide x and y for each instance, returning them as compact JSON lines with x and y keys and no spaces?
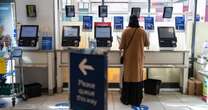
{"x":199,"y":107}
{"x":153,"y":105}
{"x":164,"y":101}
{"x":178,"y":108}
{"x":191,"y":100}
{"x":150,"y":98}
{"x":117,"y":103}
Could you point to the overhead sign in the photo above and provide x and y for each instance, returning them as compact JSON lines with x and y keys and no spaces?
{"x":180,"y":22}
{"x":102,"y":23}
{"x":88,"y":83}
{"x":118,"y":22}
{"x":87,"y":22}
{"x":103,"y":11}
{"x":149,"y":23}
{"x":70,"y":10}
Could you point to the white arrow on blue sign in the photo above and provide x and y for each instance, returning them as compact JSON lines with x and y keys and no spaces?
{"x":83,"y":67}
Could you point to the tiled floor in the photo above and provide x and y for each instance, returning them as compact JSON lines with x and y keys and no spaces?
{"x":164,"y":101}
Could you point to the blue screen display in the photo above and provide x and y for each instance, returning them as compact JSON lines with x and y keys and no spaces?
{"x":180,"y":23}
{"x":29,"y":31}
{"x":103,"y":32}
{"x":118,"y":22}
{"x":149,"y":23}
{"x":87,"y":22}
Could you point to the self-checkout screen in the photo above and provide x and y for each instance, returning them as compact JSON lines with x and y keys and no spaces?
{"x":29,"y":31}
{"x":166,"y":32}
{"x":103,"y":32}
{"x":71,"y":31}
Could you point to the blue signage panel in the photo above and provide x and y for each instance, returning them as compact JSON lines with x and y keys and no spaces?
{"x":118,"y":22}
{"x":88,"y":82}
{"x":87,"y":22}
{"x":197,"y":18}
{"x":149,"y":23}
{"x":180,"y":22}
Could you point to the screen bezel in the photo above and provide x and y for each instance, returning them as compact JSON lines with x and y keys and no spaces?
{"x":67,"y":11}
{"x":100,"y":12}
{"x":165,"y":11}
{"x":78,"y":27}
{"x":136,"y":8}
{"x":29,"y":26}
{"x":103,"y":27}
{"x":166,"y":27}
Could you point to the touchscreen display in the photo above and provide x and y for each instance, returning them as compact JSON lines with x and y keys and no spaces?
{"x":27,"y":31}
{"x":71,"y":32}
{"x":166,"y":32}
{"x":103,"y":32}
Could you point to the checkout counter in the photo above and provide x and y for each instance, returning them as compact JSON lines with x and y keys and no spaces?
{"x":169,"y":58}
{"x":35,"y":59}
{"x":153,"y":59}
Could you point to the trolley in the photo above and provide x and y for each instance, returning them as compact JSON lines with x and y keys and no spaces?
{"x":13,"y":89}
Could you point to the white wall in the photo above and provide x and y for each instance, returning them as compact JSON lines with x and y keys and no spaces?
{"x":45,"y":14}
{"x":45,"y":20}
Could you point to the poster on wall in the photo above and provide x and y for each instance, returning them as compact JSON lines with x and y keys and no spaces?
{"x":31,"y":10}
{"x":118,"y":22}
{"x":185,"y":8}
{"x":6,"y":20}
{"x":87,"y":22}
{"x":159,"y":14}
{"x":180,"y":22}
{"x":206,"y":12}
{"x":149,"y":23}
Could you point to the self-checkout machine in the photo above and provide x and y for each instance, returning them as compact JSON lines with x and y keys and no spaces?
{"x":35,"y":56}
{"x":166,"y":34}
{"x":69,"y":38}
{"x":28,"y":37}
{"x":103,"y":34}
{"x":172,"y":54}
{"x":103,"y":30}
{"x":70,"y":34}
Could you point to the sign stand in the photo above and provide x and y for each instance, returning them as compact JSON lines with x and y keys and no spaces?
{"x":88,"y":79}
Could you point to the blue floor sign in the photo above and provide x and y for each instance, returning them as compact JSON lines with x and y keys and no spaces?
{"x":88,"y":82}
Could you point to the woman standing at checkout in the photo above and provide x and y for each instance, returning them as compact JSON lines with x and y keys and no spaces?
{"x":133,"y":41}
